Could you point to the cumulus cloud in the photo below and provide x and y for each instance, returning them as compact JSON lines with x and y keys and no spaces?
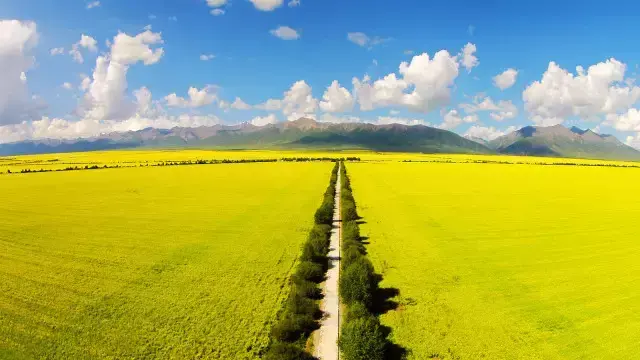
{"x":628,"y":121}
{"x":267,"y":5}
{"x":93,"y":4}
{"x":500,"y":111}
{"x":336,"y":99}
{"x":216,"y":3}
{"x":264,"y":120}
{"x":197,"y":98}
{"x":67,"y":86}
{"x":600,"y":90}
{"x":386,"y":120}
{"x":294,"y":3}
{"x":105,"y":98}
{"x":331,"y":118}
{"x":362,"y":39}
{"x":237,"y":104}
{"x":424,"y":85}
{"x":453,"y":119}
{"x":633,"y":141}
{"x":468,"y":58}
{"x":17,"y":40}
{"x":48,"y":128}
{"x":297,"y":102}
{"x":505,"y":79}
{"x":487,"y":133}
{"x":285,"y":33}
{"x":86,"y":42}
{"x":56,"y":51}
{"x":207,"y":57}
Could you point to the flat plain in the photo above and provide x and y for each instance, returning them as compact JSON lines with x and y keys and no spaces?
{"x":158,"y":262}
{"x":503,"y":261}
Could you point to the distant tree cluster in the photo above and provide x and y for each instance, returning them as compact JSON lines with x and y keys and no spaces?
{"x":484,"y":161}
{"x":362,"y":336}
{"x":305,"y":159}
{"x":185,"y":162}
{"x":301,"y":311}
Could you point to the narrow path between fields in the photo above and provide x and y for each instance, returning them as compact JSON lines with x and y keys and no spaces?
{"x":326,"y":347}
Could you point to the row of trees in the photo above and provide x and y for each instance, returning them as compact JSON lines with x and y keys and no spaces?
{"x":188,"y":162}
{"x":301,"y":310}
{"x":304,"y":159}
{"x":362,"y":336}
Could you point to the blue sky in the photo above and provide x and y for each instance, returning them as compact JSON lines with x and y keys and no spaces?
{"x":254,"y":64}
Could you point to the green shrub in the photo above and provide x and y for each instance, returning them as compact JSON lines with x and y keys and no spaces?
{"x":310,"y":271}
{"x":357,"y":310}
{"x":324,"y":214}
{"x":363,"y":339}
{"x":307,"y":289}
{"x":302,"y":306}
{"x":350,"y":231}
{"x":357,"y":283}
{"x":283,"y":351}
{"x":292,"y":327}
{"x":350,"y":254}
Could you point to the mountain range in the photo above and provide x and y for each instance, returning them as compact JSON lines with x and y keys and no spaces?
{"x":306,"y":133}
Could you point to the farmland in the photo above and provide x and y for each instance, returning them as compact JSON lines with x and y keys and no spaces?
{"x":505,"y":261}
{"x":158,"y":262}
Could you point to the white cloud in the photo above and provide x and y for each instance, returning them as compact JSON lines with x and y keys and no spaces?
{"x":270,"y":105}
{"x":264,"y":120}
{"x":386,"y":120}
{"x":216,"y":3}
{"x":266,"y":5}
{"x":331,"y":118}
{"x":238,"y":104}
{"x":590,"y":94}
{"x":48,"y":128}
{"x":409,"y":52}
{"x":362,"y":39}
{"x":628,"y":121}
{"x":336,"y":99}
{"x":424,"y":86}
{"x":67,"y":86}
{"x":294,"y":3}
{"x":633,"y":141}
{"x":56,"y":51}
{"x":467,"y":57}
{"x":487,"y":133}
{"x":207,"y":57}
{"x":503,"y":110}
{"x":105,"y":98}
{"x":173,"y":18}
{"x":197,"y":98}
{"x":298,"y":101}
{"x":17,"y":40}
{"x":86,"y":42}
{"x":93,"y":4}
{"x":217,"y":12}
{"x":152,"y":17}
{"x":285,"y":33}
{"x":452,"y":119}
{"x":505,"y":79}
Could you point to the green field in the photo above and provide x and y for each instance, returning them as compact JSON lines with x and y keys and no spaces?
{"x":165,"y":262}
{"x":506,"y":261}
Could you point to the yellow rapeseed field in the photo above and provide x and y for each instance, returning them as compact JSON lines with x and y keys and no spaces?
{"x":158,"y":262}
{"x":498,"y":261}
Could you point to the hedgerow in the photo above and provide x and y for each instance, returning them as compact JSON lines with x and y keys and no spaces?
{"x":301,"y":311}
{"x":361,"y":336}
